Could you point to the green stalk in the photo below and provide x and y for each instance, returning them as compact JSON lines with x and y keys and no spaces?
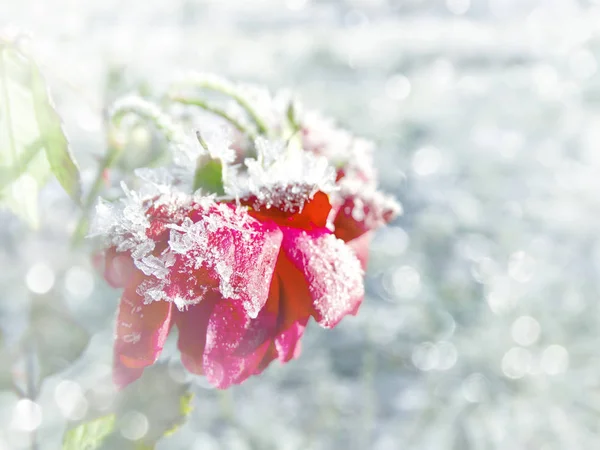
{"x":230,"y":91}
{"x":216,"y":111}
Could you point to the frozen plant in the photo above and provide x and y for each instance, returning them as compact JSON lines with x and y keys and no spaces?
{"x":242,"y":240}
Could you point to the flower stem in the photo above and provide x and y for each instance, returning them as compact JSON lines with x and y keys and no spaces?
{"x":214,"y":110}
{"x":230,"y":90}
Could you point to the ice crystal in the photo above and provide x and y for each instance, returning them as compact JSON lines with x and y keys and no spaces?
{"x":124,"y":225}
{"x":218,"y":141}
{"x":282,"y":177}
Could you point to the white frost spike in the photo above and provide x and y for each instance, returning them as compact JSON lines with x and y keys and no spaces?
{"x":218,"y":139}
{"x":124,"y":225}
{"x":282,"y":177}
{"x":186,"y":150}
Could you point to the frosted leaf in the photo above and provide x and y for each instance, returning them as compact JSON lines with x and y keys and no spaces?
{"x":270,"y":109}
{"x":332,"y":270}
{"x":203,"y":79}
{"x":281,"y":177}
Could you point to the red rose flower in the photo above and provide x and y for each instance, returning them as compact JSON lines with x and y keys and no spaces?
{"x":240,"y":285}
{"x":239,"y":277}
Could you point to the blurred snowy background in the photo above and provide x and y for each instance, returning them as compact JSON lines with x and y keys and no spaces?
{"x":480,"y":329}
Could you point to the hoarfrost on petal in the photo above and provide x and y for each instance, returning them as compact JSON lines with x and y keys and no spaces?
{"x":332,"y":270}
{"x":282,"y":177}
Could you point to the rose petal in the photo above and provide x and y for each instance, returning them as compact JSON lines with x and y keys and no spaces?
{"x":287,"y":343}
{"x":218,"y":339}
{"x":295,"y":309}
{"x":313,"y":214}
{"x":264,"y":326}
{"x":226,"y":328}
{"x":224,"y":249}
{"x":269,"y":356}
{"x":192,"y":324}
{"x":141,"y":331}
{"x":363,"y":211}
{"x":331,"y":269}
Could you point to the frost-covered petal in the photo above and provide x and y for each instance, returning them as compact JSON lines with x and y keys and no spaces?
{"x":361,"y":208}
{"x":313,"y":214}
{"x":218,"y":339}
{"x":281,"y":176}
{"x":222,"y":247}
{"x":331,"y":269}
{"x":141,"y":331}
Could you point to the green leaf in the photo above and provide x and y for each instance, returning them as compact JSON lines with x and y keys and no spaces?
{"x":28,"y":124}
{"x":165,"y":403}
{"x":209,"y":178}
{"x":89,"y":435}
{"x":53,"y":137}
{"x":185,"y":408}
{"x":24,"y":168}
{"x":58,"y":338}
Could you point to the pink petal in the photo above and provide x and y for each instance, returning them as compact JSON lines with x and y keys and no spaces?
{"x":217,"y":338}
{"x":192,"y":324}
{"x":227,"y":327}
{"x":295,"y":309}
{"x":331,"y":270}
{"x":141,"y":332}
{"x":264,"y":326}
{"x":287,"y":343}
{"x":236,"y":254}
{"x":363,"y":211}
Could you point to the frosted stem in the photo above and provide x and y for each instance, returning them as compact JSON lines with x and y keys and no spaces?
{"x":226,"y":88}
{"x":216,"y":111}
